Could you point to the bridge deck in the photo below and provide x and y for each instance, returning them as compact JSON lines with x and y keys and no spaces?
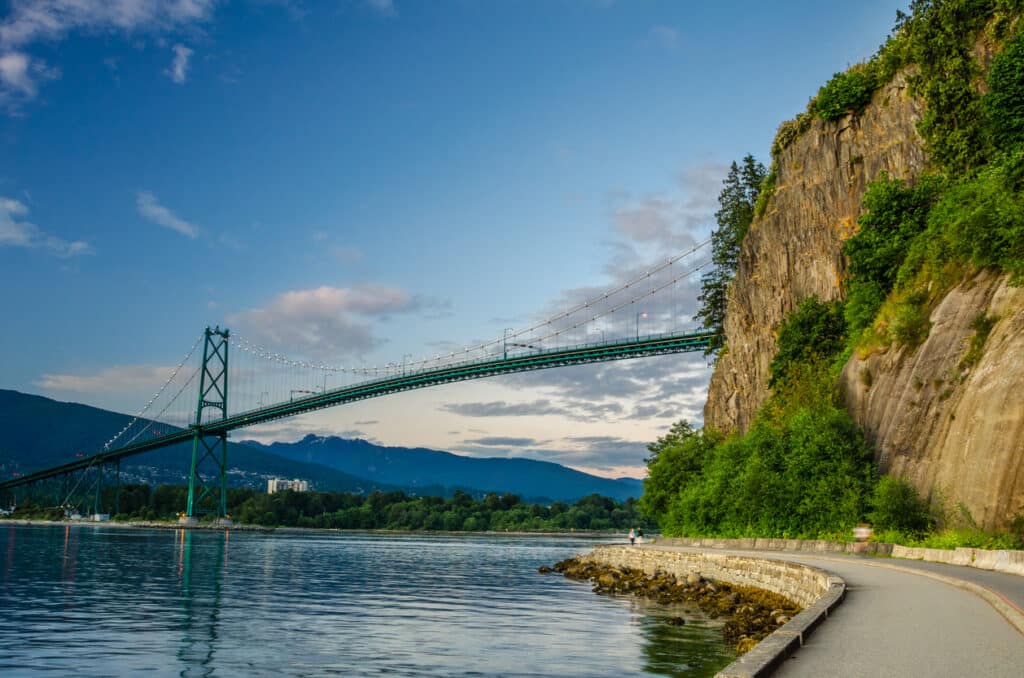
{"x":653,"y":345}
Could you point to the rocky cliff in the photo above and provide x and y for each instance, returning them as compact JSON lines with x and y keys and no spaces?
{"x":956,"y":432}
{"x":794,"y":249}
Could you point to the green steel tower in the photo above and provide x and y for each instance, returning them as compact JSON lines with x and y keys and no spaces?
{"x":207,"y":480}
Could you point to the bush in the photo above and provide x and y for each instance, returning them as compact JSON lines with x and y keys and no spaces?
{"x":814,"y":331}
{"x":910,"y":324}
{"x":894,"y":214}
{"x":897,"y":506}
{"x":847,"y":92}
{"x":863,"y":300}
{"x":1004,"y":102}
{"x":983,"y":219}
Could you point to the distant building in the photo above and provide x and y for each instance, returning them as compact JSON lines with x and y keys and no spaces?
{"x":281,"y":484}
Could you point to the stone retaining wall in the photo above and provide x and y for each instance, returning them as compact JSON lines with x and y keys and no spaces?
{"x":802,"y":584}
{"x":817,"y":591}
{"x":763,"y":544}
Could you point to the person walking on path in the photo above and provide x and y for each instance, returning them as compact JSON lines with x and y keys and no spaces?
{"x":632,"y":536}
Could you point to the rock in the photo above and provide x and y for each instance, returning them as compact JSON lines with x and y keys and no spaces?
{"x":675,"y":621}
{"x":544,"y":569}
{"x":694,"y":578}
{"x":745,"y":645}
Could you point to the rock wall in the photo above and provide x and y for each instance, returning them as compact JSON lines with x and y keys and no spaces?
{"x":956,"y":433}
{"x":802,"y":584}
{"x":794,"y":250}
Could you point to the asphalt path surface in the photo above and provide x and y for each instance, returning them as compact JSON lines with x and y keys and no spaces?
{"x":898,"y":623}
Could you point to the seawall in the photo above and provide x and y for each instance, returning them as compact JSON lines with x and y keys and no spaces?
{"x":816,"y":590}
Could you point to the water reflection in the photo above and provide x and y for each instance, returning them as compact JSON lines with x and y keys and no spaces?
{"x":201,"y":571}
{"x":94,"y":600}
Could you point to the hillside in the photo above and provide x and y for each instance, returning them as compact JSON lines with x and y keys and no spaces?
{"x":418,"y":467}
{"x":40,"y":432}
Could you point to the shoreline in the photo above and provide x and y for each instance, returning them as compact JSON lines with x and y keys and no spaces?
{"x":211,"y":527}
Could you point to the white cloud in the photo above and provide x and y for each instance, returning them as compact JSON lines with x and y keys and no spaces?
{"x":150,"y":208}
{"x":665,"y":36}
{"x":16,"y":232}
{"x":110,"y":380}
{"x":178,"y":72}
{"x":383,"y":7}
{"x":324,"y":322}
{"x":31,"y":21}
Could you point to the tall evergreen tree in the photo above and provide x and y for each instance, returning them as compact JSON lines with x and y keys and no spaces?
{"x":736,"y":212}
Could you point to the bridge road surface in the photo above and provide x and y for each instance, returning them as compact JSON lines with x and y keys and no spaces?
{"x":895,"y":623}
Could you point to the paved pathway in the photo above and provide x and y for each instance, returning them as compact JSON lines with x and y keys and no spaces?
{"x":895,"y":623}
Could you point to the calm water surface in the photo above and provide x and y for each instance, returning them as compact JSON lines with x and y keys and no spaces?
{"x":98,"y":601}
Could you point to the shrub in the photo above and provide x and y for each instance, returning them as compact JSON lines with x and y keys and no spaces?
{"x":863,"y":300}
{"x":910,"y":324}
{"x":1004,"y":102}
{"x":814,"y":331}
{"x":847,"y":92}
{"x":897,"y":506}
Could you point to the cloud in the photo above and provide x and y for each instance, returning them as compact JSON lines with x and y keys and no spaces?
{"x":15,"y":232}
{"x":114,"y":380}
{"x":31,"y":21}
{"x":150,"y":208}
{"x":501,"y":441}
{"x":501,"y":408}
{"x":649,"y":221}
{"x":383,"y":7}
{"x":346,"y":255}
{"x":324,"y":322}
{"x":178,"y":71}
{"x":664,"y":36}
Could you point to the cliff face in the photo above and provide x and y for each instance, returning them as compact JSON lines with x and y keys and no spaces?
{"x":794,"y":250}
{"x":956,"y":433}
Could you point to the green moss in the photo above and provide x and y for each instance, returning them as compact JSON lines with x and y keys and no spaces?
{"x":982,"y":326}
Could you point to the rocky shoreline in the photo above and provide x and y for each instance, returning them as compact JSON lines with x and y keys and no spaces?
{"x":753,"y":613}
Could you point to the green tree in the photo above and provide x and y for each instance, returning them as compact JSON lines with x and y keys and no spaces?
{"x":734,"y":216}
{"x":677,"y":458}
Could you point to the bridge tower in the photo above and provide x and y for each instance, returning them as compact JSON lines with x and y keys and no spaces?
{"x":207,"y":480}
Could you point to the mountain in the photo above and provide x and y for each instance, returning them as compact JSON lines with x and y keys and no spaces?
{"x":40,"y":432}
{"x":418,"y":467}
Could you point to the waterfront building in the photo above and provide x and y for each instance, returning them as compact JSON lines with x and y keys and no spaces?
{"x":281,"y":484}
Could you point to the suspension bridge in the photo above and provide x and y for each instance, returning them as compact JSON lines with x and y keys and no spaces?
{"x":192,"y":404}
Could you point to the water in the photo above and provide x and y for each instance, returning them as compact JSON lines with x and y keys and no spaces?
{"x":105,"y":601}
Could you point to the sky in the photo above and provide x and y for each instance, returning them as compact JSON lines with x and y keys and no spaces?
{"x":358,"y":181}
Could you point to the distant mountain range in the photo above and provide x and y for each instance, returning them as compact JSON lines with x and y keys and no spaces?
{"x":39,"y":432}
{"x":419,"y":467}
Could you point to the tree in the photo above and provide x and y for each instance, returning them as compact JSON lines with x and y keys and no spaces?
{"x":677,"y":459}
{"x":735,"y":214}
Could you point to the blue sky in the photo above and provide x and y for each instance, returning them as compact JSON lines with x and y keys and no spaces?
{"x":356,"y":181}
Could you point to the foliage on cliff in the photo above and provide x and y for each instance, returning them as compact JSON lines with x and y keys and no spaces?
{"x":734,"y":216}
{"x":802,"y":470}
